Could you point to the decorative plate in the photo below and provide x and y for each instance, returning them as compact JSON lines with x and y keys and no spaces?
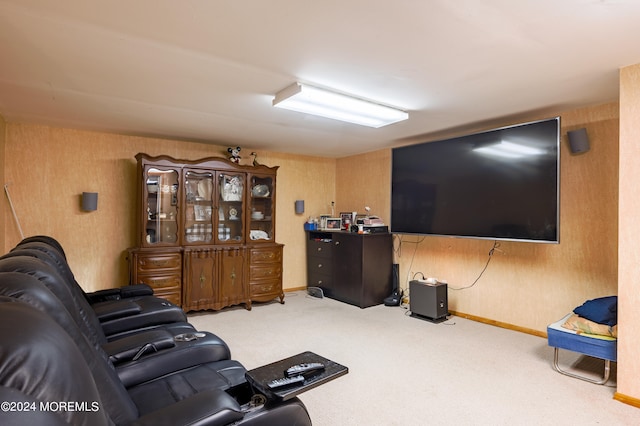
{"x":260,"y":191}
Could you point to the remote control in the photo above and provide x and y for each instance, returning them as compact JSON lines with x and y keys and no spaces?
{"x":286,"y":381}
{"x":304,"y":368}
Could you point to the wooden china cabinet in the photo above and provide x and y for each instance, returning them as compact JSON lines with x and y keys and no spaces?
{"x":206,"y":232}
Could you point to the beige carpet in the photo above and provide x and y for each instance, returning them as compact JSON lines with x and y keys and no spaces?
{"x":407,"y":371}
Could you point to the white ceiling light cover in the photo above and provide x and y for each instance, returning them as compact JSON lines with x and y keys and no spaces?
{"x":326,"y":103}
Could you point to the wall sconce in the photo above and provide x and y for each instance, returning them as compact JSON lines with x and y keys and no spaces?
{"x":299,"y":206}
{"x":89,"y":201}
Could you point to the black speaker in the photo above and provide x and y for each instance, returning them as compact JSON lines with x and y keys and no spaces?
{"x":395,"y":270}
{"x":396,"y":295}
{"x":578,"y":141}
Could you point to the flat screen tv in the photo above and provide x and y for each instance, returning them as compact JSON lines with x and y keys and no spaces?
{"x":501,"y":184}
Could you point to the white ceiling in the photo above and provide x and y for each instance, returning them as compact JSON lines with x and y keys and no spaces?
{"x":207,"y":70}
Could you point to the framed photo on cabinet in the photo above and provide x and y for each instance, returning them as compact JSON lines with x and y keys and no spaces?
{"x":346,"y":218}
{"x":334,"y":223}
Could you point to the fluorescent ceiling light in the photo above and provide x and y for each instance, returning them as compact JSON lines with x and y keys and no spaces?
{"x":509,"y":150}
{"x":325,"y":103}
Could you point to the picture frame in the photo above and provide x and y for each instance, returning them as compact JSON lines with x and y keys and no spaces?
{"x":200,"y":213}
{"x":334,"y":224}
{"x":231,"y":188}
{"x":346,"y":218}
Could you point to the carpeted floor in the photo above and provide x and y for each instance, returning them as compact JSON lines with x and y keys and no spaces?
{"x":407,"y":371}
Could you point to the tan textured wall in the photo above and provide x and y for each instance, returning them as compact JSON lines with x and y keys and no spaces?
{"x":364,"y":180}
{"x":629,"y":245}
{"x":311,"y":179}
{"x":48,"y":168}
{"x":528,"y":285}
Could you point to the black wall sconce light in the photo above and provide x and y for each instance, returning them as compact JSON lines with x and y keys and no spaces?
{"x":89,"y":201}
{"x":578,"y":141}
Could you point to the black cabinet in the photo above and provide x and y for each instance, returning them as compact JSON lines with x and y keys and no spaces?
{"x":350,"y":267}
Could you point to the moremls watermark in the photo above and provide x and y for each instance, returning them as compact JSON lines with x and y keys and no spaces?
{"x":50,"y":406}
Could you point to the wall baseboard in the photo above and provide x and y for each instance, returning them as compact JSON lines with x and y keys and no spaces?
{"x":292,"y":289}
{"x":469,"y":317}
{"x":499,"y":324}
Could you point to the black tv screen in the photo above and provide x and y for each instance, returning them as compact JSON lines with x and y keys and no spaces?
{"x":501,"y":184}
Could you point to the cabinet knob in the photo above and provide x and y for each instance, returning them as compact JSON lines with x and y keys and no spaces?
{"x":319,"y":265}
{"x":319,"y":248}
{"x":337,"y":243}
{"x":319,"y":281}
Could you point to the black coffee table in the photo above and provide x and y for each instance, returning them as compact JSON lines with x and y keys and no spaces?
{"x":259,"y":377}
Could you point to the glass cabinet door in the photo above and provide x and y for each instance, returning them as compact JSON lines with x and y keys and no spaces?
{"x":230,"y":208}
{"x":198,"y":224}
{"x":162,"y":206}
{"x":261,"y":206}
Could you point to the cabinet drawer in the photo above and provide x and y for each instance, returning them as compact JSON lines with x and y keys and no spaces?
{"x":165,"y":282}
{"x":319,"y":248}
{"x":319,"y":265}
{"x":266,"y":255}
{"x":153,"y":262}
{"x":266,"y":271}
{"x":266,"y":287}
{"x":319,"y":280}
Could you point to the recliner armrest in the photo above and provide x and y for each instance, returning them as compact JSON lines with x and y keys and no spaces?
{"x":211,"y":408}
{"x":106,"y":311}
{"x":103,"y":295}
{"x":135,"y":290}
{"x":184,"y":355}
{"x":133,"y":347}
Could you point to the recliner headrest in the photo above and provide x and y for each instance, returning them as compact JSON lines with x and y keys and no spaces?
{"x":30,"y":264}
{"x":46,"y":239}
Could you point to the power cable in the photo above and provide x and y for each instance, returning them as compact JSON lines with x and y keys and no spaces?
{"x":493,"y":249}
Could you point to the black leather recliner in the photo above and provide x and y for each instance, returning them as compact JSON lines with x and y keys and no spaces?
{"x":177,"y":384}
{"x":155,"y":380}
{"x":157,"y":351}
{"x":116,"y":314}
{"x":125,"y":320}
{"x":42,"y":366}
{"x":38,"y":363}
